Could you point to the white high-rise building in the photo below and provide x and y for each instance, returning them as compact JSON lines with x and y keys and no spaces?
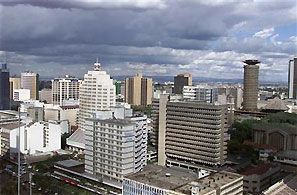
{"x":201,"y":93}
{"x":116,"y":144}
{"x":65,"y":89}
{"x":96,"y":93}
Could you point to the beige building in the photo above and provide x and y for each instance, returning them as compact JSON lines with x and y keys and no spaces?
{"x":45,"y":95}
{"x":177,"y":181}
{"x":180,"y":81}
{"x":30,"y":80}
{"x":250,"y":81}
{"x":14,"y":83}
{"x":139,"y":90}
{"x":191,"y":134}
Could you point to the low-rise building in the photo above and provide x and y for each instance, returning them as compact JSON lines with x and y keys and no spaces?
{"x":177,"y":181}
{"x":258,"y":178}
{"x":21,"y":95}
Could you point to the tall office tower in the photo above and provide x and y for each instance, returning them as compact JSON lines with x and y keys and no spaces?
{"x":201,"y":93}
{"x":292,"y":79}
{"x":250,"y":84}
{"x":116,"y":144}
{"x":4,"y":88}
{"x":64,"y":89}
{"x":14,"y":83}
{"x":192,"y":134}
{"x":96,"y":93}
{"x":139,"y":90}
{"x":180,"y":81}
{"x":30,"y":80}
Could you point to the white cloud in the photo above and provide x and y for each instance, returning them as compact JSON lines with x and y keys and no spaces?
{"x":265,"y":33}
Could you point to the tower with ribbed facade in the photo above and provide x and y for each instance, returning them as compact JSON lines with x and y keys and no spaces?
{"x":250,"y":82}
{"x":97,"y":93}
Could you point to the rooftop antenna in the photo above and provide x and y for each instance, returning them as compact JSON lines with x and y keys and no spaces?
{"x":97,"y":65}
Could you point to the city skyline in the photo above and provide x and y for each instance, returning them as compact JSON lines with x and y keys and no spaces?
{"x":208,"y":39}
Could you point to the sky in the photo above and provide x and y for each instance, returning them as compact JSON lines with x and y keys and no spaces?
{"x":155,"y":37}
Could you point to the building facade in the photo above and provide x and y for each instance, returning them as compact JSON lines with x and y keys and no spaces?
{"x":14,"y":83}
{"x":45,"y":95}
{"x":250,"y":82}
{"x":4,"y":88}
{"x":292,"y":79}
{"x":180,"y":81}
{"x":21,"y":95}
{"x":64,"y":89}
{"x":138,"y":90}
{"x":30,"y":80}
{"x":201,"y":93}
{"x":115,"y":147}
{"x":97,"y":93}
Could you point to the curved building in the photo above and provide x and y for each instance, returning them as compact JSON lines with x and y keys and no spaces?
{"x":250,"y":82}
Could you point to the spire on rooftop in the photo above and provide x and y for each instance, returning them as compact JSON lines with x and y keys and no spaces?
{"x":97,"y":65}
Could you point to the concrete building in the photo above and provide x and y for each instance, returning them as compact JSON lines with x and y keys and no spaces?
{"x":191,"y":134}
{"x":64,"y":89}
{"x":35,"y":137}
{"x":14,"y":83}
{"x":180,"y":81}
{"x":97,"y":93}
{"x":258,"y":178}
{"x":177,"y":181}
{"x":201,"y":93}
{"x":115,"y":144}
{"x":250,"y":92}
{"x":4,"y":88}
{"x":139,"y":90}
{"x":45,"y":95}
{"x":76,"y":142}
{"x":280,"y":136}
{"x":21,"y":95}
{"x":30,"y":80}
{"x":292,"y":79}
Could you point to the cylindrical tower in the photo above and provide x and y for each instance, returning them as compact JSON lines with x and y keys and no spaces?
{"x":250,"y":93}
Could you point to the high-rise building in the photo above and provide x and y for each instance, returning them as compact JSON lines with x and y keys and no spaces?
{"x":96,"y":93}
{"x":64,"y":89}
{"x":45,"y":95}
{"x":4,"y":88}
{"x":292,"y":79}
{"x":191,"y":133}
{"x":180,"y":81}
{"x":139,"y":90}
{"x":30,"y":80}
{"x":201,"y":93}
{"x":250,"y":82}
{"x":14,"y":83}
{"x":116,"y":144}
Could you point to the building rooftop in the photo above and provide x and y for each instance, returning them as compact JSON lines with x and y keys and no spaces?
{"x":291,"y":154}
{"x":182,"y":180}
{"x":11,"y":126}
{"x":276,"y":104}
{"x":257,"y":170}
{"x":77,"y":136}
{"x":69,"y":163}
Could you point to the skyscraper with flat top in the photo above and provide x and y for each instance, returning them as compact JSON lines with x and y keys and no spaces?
{"x":292,"y":79}
{"x":139,"y":90}
{"x":180,"y":81}
{"x":14,"y":83}
{"x":30,"y":80}
{"x":250,"y":84}
{"x":4,"y":88}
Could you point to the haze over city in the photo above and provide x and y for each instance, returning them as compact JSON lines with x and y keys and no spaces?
{"x":156,"y":37}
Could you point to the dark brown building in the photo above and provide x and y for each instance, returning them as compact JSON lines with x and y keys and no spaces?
{"x":180,"y":81}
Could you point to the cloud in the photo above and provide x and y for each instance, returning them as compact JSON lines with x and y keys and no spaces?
{"x":89,"y":4}
{"x":265,"y":33}
{"x":163,"y":37}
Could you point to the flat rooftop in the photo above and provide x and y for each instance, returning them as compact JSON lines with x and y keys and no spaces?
{"x":69,"y":163}
{"x":182,"y":180}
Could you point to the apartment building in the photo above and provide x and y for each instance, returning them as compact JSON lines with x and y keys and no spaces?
{"x":64,"y":89}
{"x":115,"y":144}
